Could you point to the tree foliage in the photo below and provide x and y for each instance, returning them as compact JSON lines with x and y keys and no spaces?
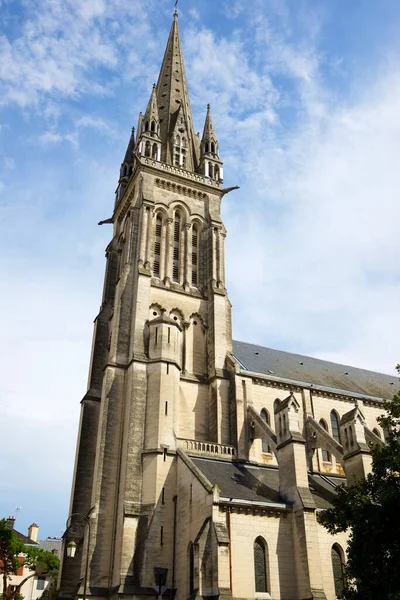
{"x":38,"y":561}
{"x":370,"y":510}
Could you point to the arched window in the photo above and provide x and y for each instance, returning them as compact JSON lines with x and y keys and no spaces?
{"x":216,"y":173}
{"x":337,"y":568}
{"x":213,"y":147}
{"x":125,"y":171}
{"x":147,"y":151}
{"x":326,"y":456}
{"x":130,"y":170}
{"x":265,"y":417}
{"x":183,"y":142}
{"x":154,"y":152}
{"x":207,"y":147}
{"x":176,"y":249}
{"x":260,"y":566}
{"x":276,"y":404}
{"x":153,"y":126}
{"x":377,"y":432}
{"x":335,"y":426}
{"x":210,"y":171}
{"x":146,"y":127}
{"x":195,"y":255}
{"x":191,"y":568}
{"x":157,"y":247}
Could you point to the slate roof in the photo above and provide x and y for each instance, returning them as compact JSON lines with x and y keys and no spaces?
{"x":314,"y":372}
{"x":241,"y":481}
{"x":25,"y":539}
{"x":255,"y":483}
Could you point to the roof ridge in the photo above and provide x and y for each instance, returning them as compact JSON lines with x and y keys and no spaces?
{"x":320,"y":360}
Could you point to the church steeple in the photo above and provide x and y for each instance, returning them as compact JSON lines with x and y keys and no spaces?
{"x":179,"y":145}
{"x":210,"y":163}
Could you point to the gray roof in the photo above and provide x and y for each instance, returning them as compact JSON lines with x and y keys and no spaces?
{"x":241,"y":481}
{"x":255,"y":483}
{"x":51,"y":545}
{"x":314,"y":372}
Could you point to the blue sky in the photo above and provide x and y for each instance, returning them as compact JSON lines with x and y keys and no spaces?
{"x":305,"y":98}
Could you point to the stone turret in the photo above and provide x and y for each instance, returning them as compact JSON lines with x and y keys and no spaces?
{"x":210,"y":164}
{"x":149,"y":142}
{"x":357,"y":459}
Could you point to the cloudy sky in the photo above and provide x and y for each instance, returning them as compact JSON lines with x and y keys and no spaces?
{"x":305,"y":97}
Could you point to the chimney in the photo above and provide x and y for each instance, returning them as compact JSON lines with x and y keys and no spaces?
{"x":33,"y":531}
{"x":10,"y":522}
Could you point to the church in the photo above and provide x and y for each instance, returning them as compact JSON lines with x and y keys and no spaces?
{"x":202,"y":462}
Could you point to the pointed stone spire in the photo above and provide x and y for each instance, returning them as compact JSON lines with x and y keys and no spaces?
{"x":209,"y":142}
{"x":128,"y":160}
{"x":151,"y":114}
{"x":126,"y":169}
{"x":210,"y":163}
{"x":174,"y":106}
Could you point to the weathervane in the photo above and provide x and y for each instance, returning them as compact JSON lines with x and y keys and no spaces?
{"x":176,"y":7}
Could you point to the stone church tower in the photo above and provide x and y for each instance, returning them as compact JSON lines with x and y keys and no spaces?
{"x":202,"y":463}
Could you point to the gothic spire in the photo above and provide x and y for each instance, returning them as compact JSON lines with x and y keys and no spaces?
{"x":209,"y":142}
{"x":174,"y":106}
{"x":210,"y":163}
{"x":128,"y":160}
{"x":151,"y":114}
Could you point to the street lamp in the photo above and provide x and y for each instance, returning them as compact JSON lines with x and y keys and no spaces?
{"x":71,"y":549}
{"x":74,"y":527}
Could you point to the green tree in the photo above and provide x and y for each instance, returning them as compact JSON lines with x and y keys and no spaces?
{"x":370,"y":510}
{"x":38,"y":561}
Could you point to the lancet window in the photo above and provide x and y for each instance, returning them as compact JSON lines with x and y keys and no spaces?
{"x":335,"y":426}
{"x":157,"y":247}
{"x":176,"y":248}
{"x":195,"y":255}
{"x":260,"y":566}
{"x":337,"y":568}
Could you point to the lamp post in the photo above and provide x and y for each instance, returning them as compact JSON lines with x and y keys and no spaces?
{"x":74,"y":527}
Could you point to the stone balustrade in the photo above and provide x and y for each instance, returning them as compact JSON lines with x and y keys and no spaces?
{"x":178,"y":171}
{"x":208,"y":448}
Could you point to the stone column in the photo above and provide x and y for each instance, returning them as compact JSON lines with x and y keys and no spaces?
{"x":214,"y":255}
{"x":221,"y":262}
{"x":143,"y":235}
{"x":148,"y":239}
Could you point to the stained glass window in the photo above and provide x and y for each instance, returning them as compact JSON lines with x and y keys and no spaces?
{"x":335,"y":426}
{"x":260,"y":571}
{"x":337,"y":568}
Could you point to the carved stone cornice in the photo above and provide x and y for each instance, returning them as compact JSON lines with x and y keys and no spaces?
{"x":179,"y":189}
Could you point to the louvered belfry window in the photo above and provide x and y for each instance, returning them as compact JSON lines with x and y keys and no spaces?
{"x":176,"y":249}
{"x":157,"y":247}
{"x":260,"y":571}
{"x":194,"y":256}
